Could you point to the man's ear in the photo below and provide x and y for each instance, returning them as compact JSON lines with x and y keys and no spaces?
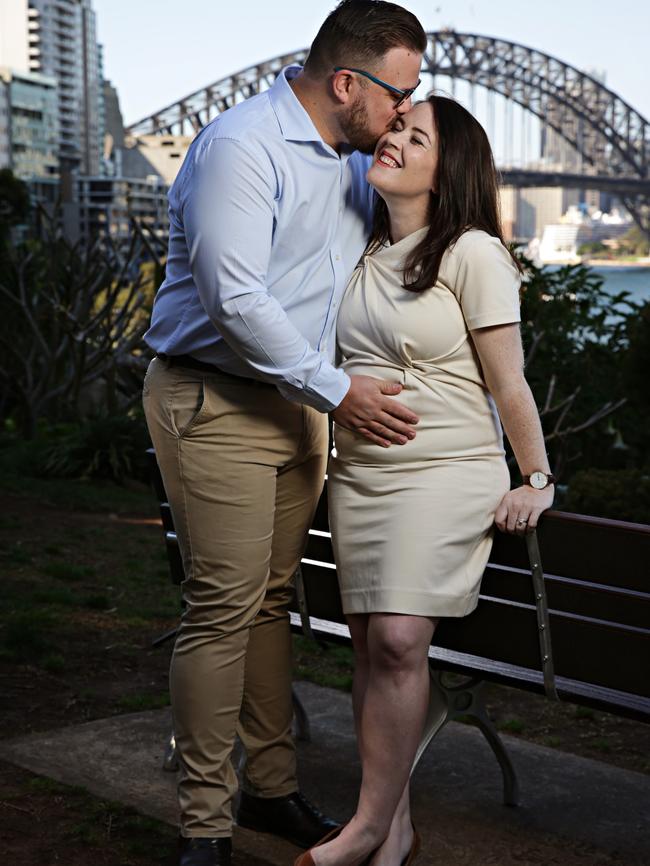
{"x":342,"y":83}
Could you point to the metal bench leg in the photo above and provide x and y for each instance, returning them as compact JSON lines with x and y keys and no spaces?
{"x":170,"y":761}
{"x":303,"y":728}
{"x":510,"y":783}
{"x":466,"y":699}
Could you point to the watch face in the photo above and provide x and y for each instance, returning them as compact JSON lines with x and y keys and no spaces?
{"x":538,"y":480}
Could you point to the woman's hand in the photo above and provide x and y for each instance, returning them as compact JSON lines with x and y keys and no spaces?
{"x":519,"y":510}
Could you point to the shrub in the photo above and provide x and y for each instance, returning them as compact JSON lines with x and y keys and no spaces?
{"x":618,"y":494}
{"x":109,"y":448}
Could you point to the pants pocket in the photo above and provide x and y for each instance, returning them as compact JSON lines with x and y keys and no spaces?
{"x":188,"y":405}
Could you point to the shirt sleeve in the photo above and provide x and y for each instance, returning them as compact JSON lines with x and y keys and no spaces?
{"x":228,"y":204}
{"x":487,"y":282}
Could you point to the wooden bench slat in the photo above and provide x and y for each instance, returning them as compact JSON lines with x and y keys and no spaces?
{"x":586,"y":548}
{"x":584,"y":648}
{"x":610,"y":700}
{"x":508,"y":582}
{"x":567,"y":594}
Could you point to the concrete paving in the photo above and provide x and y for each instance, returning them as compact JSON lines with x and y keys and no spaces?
{"x":574,"y":811}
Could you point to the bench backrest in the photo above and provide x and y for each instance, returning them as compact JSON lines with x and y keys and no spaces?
{"x":597,"y":585}
{"x":596,"y":578}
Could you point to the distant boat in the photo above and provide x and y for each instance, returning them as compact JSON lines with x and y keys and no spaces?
{"x":559,"y":245}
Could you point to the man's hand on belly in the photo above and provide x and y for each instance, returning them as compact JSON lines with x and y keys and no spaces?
{"x":370,"y":408}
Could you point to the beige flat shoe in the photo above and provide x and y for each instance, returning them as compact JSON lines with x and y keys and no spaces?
{"x":306,"y":859}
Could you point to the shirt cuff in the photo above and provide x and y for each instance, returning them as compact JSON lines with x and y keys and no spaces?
{"x":325,"y":390}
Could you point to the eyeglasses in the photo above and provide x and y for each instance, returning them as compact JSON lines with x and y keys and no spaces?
{"x":400,"y":95}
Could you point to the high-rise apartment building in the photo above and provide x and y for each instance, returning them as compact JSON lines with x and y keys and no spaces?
{"x":31,"y":127}
{"x":63,"y":45}
{"x":5,"y":126}
{"x":538,"y":207}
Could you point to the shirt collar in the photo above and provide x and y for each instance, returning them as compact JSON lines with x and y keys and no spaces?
{"x":295,"y":122}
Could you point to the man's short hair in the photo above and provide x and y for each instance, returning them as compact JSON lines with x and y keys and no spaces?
{"x":360,"y":33}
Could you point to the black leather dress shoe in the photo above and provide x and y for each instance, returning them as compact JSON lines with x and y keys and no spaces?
{"x":292,"y":817}
{"x":205,"y":852}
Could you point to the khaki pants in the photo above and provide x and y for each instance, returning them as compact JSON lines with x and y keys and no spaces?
{"x":243,"y":469}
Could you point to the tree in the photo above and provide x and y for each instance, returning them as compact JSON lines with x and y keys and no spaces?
{"x":635,"y":242}
{"x":576,"y":338}
{"x":73,"y":317}
{"x":14,"y":202}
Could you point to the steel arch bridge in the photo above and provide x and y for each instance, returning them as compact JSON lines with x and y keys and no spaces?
{"x":612,"y":138}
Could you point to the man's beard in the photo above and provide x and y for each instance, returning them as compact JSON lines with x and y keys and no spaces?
{"x":355,"y":127}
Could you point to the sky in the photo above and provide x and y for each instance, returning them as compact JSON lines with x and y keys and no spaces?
{"x":157,"y":51}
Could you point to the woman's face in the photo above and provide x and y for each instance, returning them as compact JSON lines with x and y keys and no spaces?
{"x":406,"y":157}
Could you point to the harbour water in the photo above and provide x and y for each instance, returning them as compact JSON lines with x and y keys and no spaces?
{"x":634,"y":280}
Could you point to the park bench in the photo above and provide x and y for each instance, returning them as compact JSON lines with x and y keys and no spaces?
{"x":577,"y":630}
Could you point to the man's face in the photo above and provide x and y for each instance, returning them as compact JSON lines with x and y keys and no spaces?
{"x":373,"y":110}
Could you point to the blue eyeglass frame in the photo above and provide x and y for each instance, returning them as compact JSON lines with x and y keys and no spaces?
{"x":402,"y":94}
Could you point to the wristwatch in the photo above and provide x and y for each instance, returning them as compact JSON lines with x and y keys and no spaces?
{"x":539,"y":480}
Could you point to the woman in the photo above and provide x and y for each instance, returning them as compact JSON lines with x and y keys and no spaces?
{"x":434,"y":305}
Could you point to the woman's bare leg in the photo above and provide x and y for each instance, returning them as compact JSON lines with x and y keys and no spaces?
{"x":391,"y":700}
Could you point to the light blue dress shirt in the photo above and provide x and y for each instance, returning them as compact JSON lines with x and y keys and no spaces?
{"x":267,"y":223}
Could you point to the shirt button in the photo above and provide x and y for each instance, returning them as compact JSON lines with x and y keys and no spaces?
{"x":338,"y":258}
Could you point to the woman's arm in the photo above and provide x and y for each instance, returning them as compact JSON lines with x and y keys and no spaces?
{"x":500,"y":352}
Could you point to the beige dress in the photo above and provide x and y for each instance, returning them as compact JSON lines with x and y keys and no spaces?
{"x":412,"y":525}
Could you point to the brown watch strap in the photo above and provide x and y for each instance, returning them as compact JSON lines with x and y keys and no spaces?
{"x":549,"y":475}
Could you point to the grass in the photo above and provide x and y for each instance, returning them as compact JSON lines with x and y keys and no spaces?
{"x":43,"y":785}
{"x":60,"y":597}
{"x":87,"y":496}
{"x":68,"y":571}
{"x":9,"y":521}
{"x":585,"y":713}
{"x":97,"y":602}
{"x":72,"y":821}
{"x":54,"y":663}
{"x":16,"y":554}
{"x":26,"y":635}
{"x":601,"y":745}
{"x":512,"y":726}
{"x":323,"y":664}
{"x":141,"y":703}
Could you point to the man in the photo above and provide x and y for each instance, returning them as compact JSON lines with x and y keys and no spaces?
{"x":268,"y":217}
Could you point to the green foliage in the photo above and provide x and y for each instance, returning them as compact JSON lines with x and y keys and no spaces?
{"x":635,"y":242}
{"x":110,"y":448}
{"x":584,"y":348}
{"x":14,"y":202}
{"x":594,"y":248}
{"x":622,"y":494}
{"x":71,"y":329}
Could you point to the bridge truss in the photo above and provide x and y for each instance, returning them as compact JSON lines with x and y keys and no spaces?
{"x":612,"y":139}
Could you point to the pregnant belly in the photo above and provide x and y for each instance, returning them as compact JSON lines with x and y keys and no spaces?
{"x":457,"y":421}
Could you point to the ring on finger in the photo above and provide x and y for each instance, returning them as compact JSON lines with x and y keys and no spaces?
{"x":521,"y":521}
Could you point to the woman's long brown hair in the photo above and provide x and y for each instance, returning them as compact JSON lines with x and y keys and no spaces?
{"x":467,"y":194}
